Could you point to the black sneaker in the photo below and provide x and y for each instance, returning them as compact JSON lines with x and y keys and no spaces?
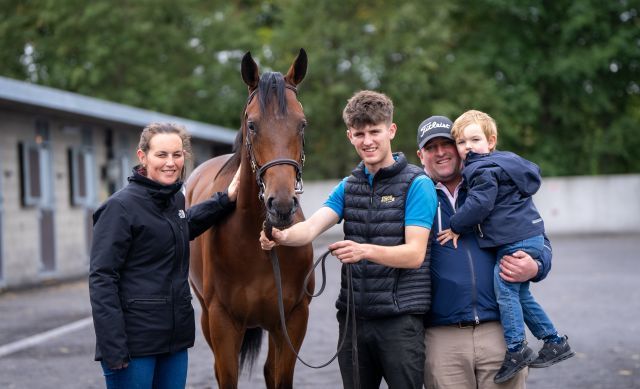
{"x":552,"y":353}
{"x":513,"y":363}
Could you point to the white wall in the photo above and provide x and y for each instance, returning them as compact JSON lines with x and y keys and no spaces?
{"x":315,"y":194}
{"x":569,"y":205}
{"x":594,"y":204}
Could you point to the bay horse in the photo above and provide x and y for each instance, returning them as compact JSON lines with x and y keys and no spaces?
{"x":230,"y":274}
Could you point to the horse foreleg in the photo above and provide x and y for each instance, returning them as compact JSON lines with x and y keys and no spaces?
{"x":204,"y":319}
{"x":270,"y":365}
{"x":204,"y":324}
{"x":226,"y":339}
{"x":282,"y":360}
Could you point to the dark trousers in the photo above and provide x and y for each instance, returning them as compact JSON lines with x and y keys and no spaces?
{"x":391,"y":348}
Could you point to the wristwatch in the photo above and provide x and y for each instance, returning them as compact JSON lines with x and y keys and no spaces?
{"x":539,"y":267}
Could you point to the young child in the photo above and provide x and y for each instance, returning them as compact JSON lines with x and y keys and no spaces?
{"x":499,"y":206}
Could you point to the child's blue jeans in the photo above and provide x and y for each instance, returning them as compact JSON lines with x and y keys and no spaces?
{"x":517,"y":305}
{"x":163,"y":371}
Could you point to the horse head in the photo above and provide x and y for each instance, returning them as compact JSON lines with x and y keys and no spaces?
{"x":273,"y":131}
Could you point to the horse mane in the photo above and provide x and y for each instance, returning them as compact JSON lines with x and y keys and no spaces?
{"x":268,"y":81}
{"x":233,"y":163}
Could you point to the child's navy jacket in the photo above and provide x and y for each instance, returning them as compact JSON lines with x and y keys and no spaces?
{"x":499,"y":189}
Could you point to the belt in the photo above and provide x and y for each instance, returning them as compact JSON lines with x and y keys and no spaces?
{"x":469,"y":324}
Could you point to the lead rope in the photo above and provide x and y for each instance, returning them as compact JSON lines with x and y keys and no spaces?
{"x":351,"y":310}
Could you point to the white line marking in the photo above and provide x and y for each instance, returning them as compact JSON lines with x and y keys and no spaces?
{"x":43,"y":337}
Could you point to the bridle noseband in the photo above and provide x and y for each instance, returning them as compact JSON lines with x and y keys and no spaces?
{"x":260,"y":170}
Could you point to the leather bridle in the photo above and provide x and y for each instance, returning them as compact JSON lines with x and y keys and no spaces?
{"x":260,"y":170}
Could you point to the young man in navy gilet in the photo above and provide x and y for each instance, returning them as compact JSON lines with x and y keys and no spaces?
{"x":388,"y":206}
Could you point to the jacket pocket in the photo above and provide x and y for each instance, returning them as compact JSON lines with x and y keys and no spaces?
{"x":148,"y":324}
{"x":396,"y":279}
{"x":148,"y":302}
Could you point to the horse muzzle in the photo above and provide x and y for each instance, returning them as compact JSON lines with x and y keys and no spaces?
{"x":280,"y":212}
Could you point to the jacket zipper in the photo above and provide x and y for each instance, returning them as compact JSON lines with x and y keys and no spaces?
{"x":395,"y":288}
{"x":176,"y":227}
{"x":474,"y":287}
{"x":474,"y":290}
{"x":366,"y":262}
{"x":147,"y":301}
{"x":178,"y":231}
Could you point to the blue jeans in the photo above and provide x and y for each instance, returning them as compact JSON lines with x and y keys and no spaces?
{"x":517,"y":305}
{"x":162,"y":371}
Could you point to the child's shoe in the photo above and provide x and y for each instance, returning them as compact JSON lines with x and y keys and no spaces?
{"x":552,"y":353}
{"x":514,"y":362}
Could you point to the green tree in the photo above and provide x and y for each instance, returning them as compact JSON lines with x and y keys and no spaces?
{"x":174,"y":57}
{"x":352,"y":46}
{"x":560,"y":78}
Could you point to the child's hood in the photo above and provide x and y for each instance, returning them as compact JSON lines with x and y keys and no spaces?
{"x":524,"y":173}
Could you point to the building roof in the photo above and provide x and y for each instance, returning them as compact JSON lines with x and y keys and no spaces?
{"x":29,"y":94}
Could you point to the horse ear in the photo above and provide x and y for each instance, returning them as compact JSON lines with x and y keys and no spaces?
{"x":298,"y":69}
{"x":249,"y":70}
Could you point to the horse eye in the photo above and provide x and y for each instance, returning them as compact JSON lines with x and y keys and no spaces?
{"x":252,"y":127}
{"x":303,"y":126}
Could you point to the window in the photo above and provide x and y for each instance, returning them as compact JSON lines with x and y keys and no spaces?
{"x":81,"y":169}
{"x":32,"y":159}
{"x":35,"y":168}
{"x":123,"y":160}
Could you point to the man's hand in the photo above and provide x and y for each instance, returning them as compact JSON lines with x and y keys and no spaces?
{"x":348,"y":251}
{"x":301,"y":233}
{"x":447,"y":235}
{"x":278,"y":237}
{"x":518,"y":267}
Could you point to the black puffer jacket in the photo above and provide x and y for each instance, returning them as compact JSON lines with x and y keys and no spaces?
{"x":375,"y":214}
{"x":138,"y":278}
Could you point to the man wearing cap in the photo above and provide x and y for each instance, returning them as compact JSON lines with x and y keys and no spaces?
{"x":463,"y":336}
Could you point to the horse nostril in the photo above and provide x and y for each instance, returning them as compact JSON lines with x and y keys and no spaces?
{"x":282,"y":210}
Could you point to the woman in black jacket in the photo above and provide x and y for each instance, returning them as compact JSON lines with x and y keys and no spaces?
{"x":138,"y":279}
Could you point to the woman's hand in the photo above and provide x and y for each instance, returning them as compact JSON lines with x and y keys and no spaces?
{"x":120,"y":366}
{"x":232,"y":191}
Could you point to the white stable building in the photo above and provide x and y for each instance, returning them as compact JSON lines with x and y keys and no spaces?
{"x":61,"y":155}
